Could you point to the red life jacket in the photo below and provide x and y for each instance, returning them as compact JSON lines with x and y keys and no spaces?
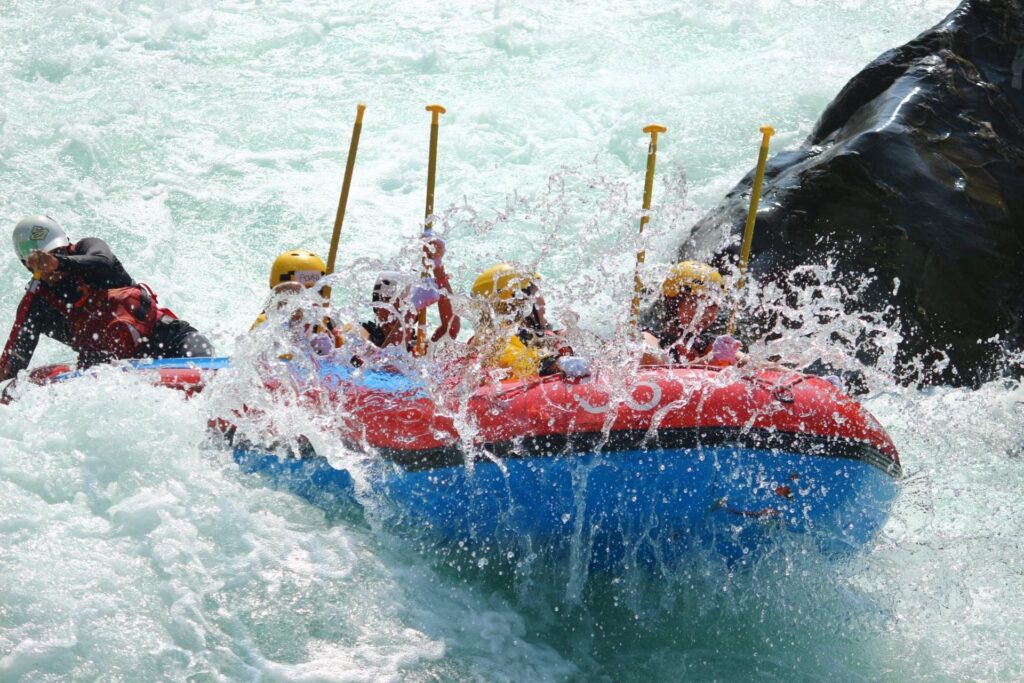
{"x":115,"y":323}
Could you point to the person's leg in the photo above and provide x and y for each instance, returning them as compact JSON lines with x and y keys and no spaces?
{"x":195,"y":345}
{"x":178,"y":339}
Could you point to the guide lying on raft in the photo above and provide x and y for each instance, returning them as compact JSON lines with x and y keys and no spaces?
{"x":82,"y":296}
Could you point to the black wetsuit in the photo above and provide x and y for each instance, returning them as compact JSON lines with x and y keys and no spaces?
{"x":89,"y":265}
{"x":376,"y":332}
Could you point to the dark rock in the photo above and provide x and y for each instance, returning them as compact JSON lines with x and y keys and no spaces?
{"x":913,"y":175}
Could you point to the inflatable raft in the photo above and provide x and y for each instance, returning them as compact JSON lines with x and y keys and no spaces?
{"x":187,"y":375}
{"x":621,"y":473}
{"x":617,"y":472}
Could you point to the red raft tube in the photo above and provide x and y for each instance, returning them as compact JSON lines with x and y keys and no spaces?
{"x":187,"y":375}
{"x":633,"y":473}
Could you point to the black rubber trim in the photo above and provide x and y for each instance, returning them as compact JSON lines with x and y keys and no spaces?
{"x":664,"y":439}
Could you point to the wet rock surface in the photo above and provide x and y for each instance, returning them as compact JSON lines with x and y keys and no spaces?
{"x":912,"y":180}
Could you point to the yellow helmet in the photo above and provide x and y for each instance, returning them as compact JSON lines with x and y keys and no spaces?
{"x":297,"y":265}
{"x":693,"y":276}
{"x":502,"y":282}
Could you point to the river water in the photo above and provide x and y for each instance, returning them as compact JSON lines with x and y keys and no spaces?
{"x":200,"y":139}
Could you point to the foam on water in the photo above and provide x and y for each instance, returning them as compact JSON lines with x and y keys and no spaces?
{"x":200,"y":140}
{"x":132,"y":551}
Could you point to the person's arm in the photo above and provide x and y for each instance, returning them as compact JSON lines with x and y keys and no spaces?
{"x":24,"y":338}
{"x":450,"y":323}
{"x":561,"y":344}
{"x":653,"y":354}
{"x":434,"y":249}
{"x":95,"y":263}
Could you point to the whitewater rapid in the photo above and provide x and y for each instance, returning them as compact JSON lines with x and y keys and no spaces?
{"x":200,"y":139}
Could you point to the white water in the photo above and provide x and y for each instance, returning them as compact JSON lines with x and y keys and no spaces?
{"x":200,"y":139}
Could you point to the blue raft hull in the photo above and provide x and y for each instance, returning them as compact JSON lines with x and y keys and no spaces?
{"x":614,"y":509}
{"x":644,"y":508}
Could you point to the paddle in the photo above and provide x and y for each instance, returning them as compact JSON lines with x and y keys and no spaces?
{"x":748,"y":232}
{"x":645,"y":217}
{"x":339,"y":218}
{"x":421,"y":322}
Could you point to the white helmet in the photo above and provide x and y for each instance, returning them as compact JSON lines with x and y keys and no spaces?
{"x":38,"y":232}
{"x":390,"y":286}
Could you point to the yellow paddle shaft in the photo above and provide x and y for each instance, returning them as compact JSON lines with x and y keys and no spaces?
{"x":428,"y":222}
{"x":755,"y":197}
{"x":638,"y":285}
{"x":748,"y":231}
{"x":339,"y":217}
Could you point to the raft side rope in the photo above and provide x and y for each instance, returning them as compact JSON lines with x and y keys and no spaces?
{"x":641,"y":255}
{"x":339,"y":217}
{"x":748,"y":231}
{"x":428,"y":221}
